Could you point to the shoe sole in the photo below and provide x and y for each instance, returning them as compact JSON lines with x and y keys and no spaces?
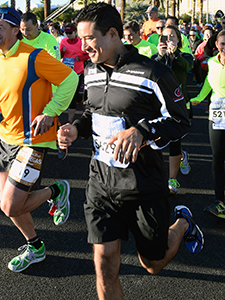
{"x":185,"y":173}
{"x":172,"y":192}
{"x":68,"y":201}
{"x":30,"y":263}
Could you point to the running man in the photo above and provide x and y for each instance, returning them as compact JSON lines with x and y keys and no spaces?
{"x":28,"y":130}
{"x":134,"y":108}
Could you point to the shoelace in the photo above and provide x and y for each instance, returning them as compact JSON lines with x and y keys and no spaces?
{"x":174,"y":183}
{"x":24,"y":247}
{"x":26,"y":251}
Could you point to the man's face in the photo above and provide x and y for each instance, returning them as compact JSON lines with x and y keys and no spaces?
{"x":100,"y":48}
{"x":29,"y":30}
{"x":71,"y":35}
{"x":7,"y":35}
{"x":170,"y":22}
{"x":159,"y":27}
{"x":152,"y":15}
{"x":131,"y":37}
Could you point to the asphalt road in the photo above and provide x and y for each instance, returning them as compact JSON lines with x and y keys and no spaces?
{"x":68,"y":272}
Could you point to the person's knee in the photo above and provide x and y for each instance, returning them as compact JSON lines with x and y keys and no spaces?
{"x":153,"y":267}
{"x":107,"y":262}
{"x":9,"y":208}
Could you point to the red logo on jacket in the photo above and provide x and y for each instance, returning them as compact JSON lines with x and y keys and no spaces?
{"x":178,"y":95}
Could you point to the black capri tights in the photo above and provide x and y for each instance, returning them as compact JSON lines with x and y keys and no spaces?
{"x":217,"y":141}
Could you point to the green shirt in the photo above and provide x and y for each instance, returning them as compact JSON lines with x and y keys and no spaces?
{"x":61,"y":99}
{"x":45,"y":41}
{"x":185,"y":44}
{"x":214,"y":82}
{"x":146,"y":48}
{"x":154,"y":39}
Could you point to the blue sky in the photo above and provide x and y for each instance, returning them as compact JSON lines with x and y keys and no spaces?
{"x":22,"y":3}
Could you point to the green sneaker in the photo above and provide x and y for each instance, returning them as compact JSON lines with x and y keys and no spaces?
{"x":217,"y":209}
{"x":173,"y":184}
{"x":62,"y":203}
{"x":29,"y":256}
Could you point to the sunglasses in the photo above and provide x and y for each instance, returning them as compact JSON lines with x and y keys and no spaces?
{"x":7,"y":11}
{"x":223,"y":22}
{"x":160,"y":27}
{"x":69,"y":33}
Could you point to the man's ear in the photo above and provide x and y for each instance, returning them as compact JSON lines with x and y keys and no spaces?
{"x":216,"y":43}
{"x":113,"y":33}
{"x":15,"y":30}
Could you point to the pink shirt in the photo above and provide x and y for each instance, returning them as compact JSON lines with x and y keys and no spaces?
{"x":72,"y":54}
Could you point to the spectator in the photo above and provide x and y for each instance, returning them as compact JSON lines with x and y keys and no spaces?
{"x":181,"y":63}
{"x":73,"y":56}
{"x":63,"y":25}
{"x":37,"y":38}
{"x":149,"y":27}
{"x":185,"y":43}
{"x":210,"y":47}
{"x":194,"y":42}
{"x":154,"y":38}
{"x":131,"y":33}
{"x":56,"y":32}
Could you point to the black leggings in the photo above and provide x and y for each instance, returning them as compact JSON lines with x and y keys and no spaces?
{"x":217,"y":141}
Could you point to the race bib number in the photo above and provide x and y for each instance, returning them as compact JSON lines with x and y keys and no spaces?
{"x":26,"y":167}
{"x":217,"y":108}
{"x":105,"y":127}
{"x":69,"y":61}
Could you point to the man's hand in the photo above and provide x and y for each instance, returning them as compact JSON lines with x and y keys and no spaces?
{"x":66,"y":135}
{"x":194,"y":102}
{"x":41,"y":124}
{"x":128,"y":144}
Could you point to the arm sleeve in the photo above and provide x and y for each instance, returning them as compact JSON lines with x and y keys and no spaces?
{"x":184,"y":60}
{"x":159,"y":58}
{"x":172,"y":122}
{"x":204,"y":91}
{"x":63,"y":96}
{"x":84,"y":124}
{"x":53,"y":47}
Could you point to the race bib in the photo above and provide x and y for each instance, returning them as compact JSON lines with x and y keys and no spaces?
{"x":105,"y":127}
{"x":69,"y":61}
{"x":217,"y":115}
{"x":26,"y":167}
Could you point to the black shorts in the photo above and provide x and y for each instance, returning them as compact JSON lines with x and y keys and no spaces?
{"x":175,"y":148}
{"x":108,"y":221}
{"x":24,"y":164}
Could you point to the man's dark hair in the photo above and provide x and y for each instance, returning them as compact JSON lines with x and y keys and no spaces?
{"x":29,"y":16}
{"x":173,"y":18}
{"x":133,"y":25}
{"x":104,"y":15}
{"x":179,"y":44}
